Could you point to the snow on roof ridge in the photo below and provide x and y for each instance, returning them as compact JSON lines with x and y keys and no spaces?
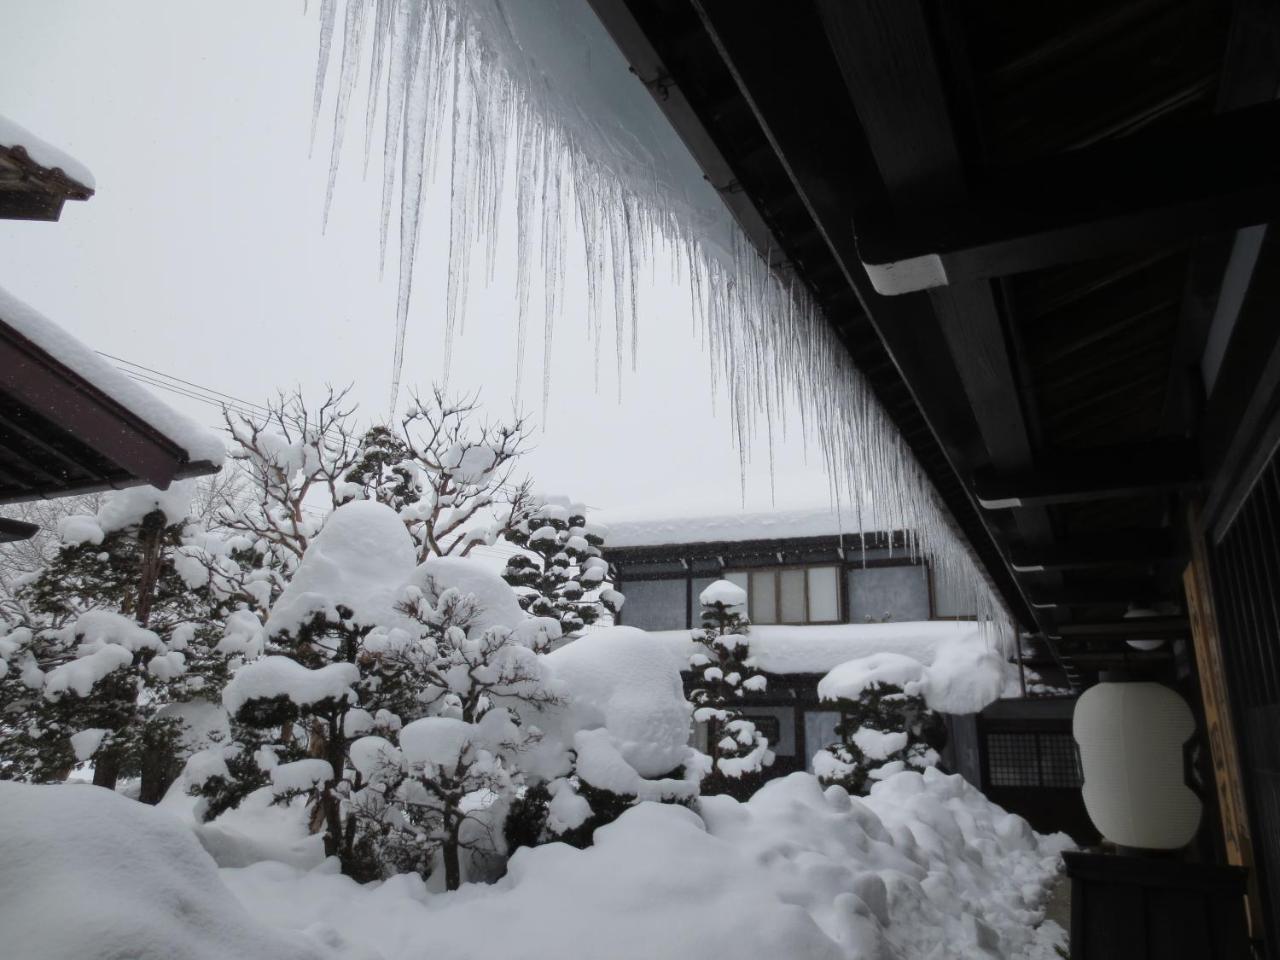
{"x":199,"y":443}
{"x":13,"y":134}
{"x":734,"y":527}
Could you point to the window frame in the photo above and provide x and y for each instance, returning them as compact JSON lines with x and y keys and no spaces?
{"x":775,"y":575}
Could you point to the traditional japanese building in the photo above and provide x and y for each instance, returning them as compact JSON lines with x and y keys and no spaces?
{"x":70,"y":422}
{"x":820,"y":594}
{"x":1042,"y":233}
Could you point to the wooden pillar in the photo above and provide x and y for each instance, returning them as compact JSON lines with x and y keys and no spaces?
{"x":1219,"y":723}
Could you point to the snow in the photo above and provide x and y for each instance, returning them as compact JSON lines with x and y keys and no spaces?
{"x":437,"y":741}
{"x":878,"y":744}
{"x":124,"y":508}
{"x":282,"y":676}
{"x":300,"y":775}
{"x":359,"y":560}
{"x":497,"y":601}
{"x":46,"y":155}
{"x":725,"y":592}
{"x":87,"y":874}
{"x":80,"y":675}
{"x":731,"y":527}
{"x":199,"y":443}
{"x":850,"y":679}
{"x":86,"y":743}
{"x":923,"y":867}
{"x":619,"y":680}
{"x":80,"y":529}
{"x":601,"y":764}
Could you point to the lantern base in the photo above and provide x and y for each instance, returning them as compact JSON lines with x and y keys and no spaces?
{"x":1152,"y":907}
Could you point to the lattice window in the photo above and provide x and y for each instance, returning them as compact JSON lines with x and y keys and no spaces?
{"x":1032,"y":760}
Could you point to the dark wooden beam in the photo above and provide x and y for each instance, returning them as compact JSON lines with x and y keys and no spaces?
{"x":894,"y":77}
{"x":815,"y":134}
{"x":37,"y":380}
{"x":1124,"y":630}
{"x":12,"y":531}
{"x":1114,"y":548}
{"x":30,"y":205}
{"x":1088,"y":593}
{"x":1102,"y":474}
{"x":1151,"y":188}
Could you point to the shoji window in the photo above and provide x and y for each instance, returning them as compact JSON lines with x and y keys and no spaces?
{"x":791,"y":594}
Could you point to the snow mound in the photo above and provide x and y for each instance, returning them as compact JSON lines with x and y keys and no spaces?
{"x":849,"y":680}
{"x":123,"y":508}
{"x":282,"y":676}
{"x":723,"y":591}
{"x":86,"y":874}
{"x":964,"y":677}
{"x":360,"y":560}
{"x":618,"y":679}
{"x":496,"y":599}
{"x":924,"y":867}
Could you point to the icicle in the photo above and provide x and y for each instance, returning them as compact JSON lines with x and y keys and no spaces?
{"x":455,"y":72}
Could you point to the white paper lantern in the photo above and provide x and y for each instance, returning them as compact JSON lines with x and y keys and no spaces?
{"x":1131,"y":737}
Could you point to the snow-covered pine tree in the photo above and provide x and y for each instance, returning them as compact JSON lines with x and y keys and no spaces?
{"x":727,"y":676}
{"x":119,"y":635}
{"x":483,"y":689}
{"x":446,"y":472}
{"x":384,"y":471}
{"x":885,"y":725}
{"x":354,"y":657}
{"x":567,"y":577}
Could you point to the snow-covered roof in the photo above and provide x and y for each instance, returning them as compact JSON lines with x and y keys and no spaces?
{"x":199,"y":443}
{"x":44,"y":154}
{"x":964,"y":670}
{"x":820,"y":648}
{"x":732,"y":527}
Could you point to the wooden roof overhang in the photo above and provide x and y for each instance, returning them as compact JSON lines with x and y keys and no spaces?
{"x":1026,"y":222}
{"x":31,"y":191}
{"x":60,"y":434}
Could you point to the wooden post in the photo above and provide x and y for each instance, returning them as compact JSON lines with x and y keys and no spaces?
{"x":1218,"y":720}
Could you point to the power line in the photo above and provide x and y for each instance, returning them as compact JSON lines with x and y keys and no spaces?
{"x":208,"y":395}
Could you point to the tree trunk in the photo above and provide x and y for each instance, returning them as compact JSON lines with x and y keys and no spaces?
{"x":106,"y":771}
{"x":452,"y":864}
{"x":159,"y":770}
{"x":151,"y":538}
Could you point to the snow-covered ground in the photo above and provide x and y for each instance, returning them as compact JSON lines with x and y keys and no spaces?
{"x":925,"y":867}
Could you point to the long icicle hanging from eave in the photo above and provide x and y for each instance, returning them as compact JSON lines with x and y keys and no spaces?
{"x":539,"y":87}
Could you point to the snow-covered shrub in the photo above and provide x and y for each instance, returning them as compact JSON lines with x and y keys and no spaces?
{"x":885,"y":725}
{"x":727,"y":675}
{"x":119,"y":636}
{"x":626,"y":723}
{"x":566,"y":577}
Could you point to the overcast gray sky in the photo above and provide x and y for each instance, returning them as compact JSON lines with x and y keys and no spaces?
{"x":202,"y":255}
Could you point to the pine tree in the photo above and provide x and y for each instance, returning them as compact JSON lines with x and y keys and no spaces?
{"x":119,"y":635}
{"x":882,"y":730}
{"x":353,"y":661}
{"x":384,"y":471}
{"x":727,"y":676}
{"x":567,"y":577}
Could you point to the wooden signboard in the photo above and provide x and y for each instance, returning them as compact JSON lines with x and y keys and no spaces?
{"x":1217,"y":711}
